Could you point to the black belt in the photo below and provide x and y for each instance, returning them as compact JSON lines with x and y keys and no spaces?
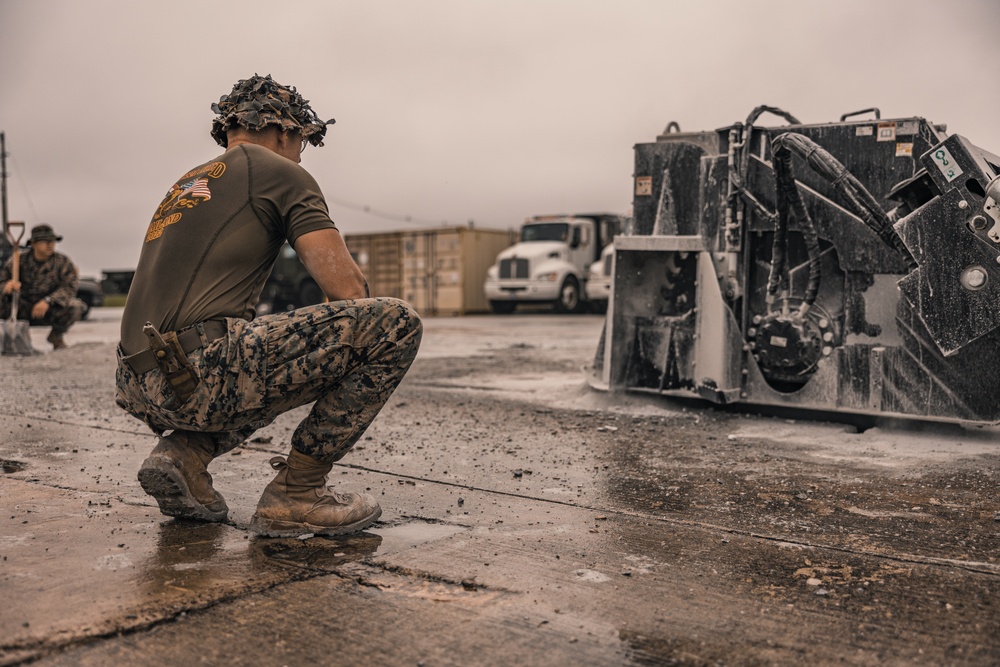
{"x":189,"y":339}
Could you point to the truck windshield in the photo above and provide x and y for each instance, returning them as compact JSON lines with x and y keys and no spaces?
{"x":549,"y":231}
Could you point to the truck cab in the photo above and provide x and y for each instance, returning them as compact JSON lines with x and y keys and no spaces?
{"x":599,"y":280}
{"x":550,"y":262}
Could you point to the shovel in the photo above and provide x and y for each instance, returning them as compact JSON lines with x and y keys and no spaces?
{"x":15,"y":335}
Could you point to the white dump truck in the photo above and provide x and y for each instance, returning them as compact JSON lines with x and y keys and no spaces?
{"x":599,"y":280}
{"x":550,"y":262}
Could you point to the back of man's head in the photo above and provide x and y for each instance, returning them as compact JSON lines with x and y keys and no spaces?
{"x":259,"y":102}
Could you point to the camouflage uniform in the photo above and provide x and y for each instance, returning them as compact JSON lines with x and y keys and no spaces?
{"x":55,"y":279}
{"x":202,"y":267}
{"x":347,"y":356}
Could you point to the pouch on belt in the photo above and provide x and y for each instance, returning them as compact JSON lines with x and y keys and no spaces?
{"x":173,"y":363}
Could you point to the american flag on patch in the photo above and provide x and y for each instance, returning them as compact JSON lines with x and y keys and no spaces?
{"x":196,"y":188}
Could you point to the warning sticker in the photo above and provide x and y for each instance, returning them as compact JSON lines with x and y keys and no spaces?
{"x":946,"y":163}
{"x":886,"y":132}
{"x":643,"y":185}
{"x":904,"y":150}
{"x":864,"y":131}
{"x":907,"y":127}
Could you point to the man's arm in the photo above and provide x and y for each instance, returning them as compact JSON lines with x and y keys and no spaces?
{"x":6,"y":272}
{"x":328,"y":261}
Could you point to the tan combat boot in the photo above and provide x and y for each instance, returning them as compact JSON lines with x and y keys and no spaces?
{"x":297,"y":502}
{"x":175,"y":474}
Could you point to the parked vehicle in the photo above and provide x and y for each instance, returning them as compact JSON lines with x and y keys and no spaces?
{"x":550,"y":262}
{"x":599,"y":280}
{"x":289,"y":286}
{"x":91,"y":293}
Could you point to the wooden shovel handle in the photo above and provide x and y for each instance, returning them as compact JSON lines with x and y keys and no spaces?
{"x":16,"y":242}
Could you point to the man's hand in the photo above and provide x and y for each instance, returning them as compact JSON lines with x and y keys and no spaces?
{"x":39,"y":309}
{"x":328,"y":261}
{"x":11,"y":286}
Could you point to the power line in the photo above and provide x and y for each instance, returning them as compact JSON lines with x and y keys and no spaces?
{"x":409,"y":219}
{"x":24,"y":187}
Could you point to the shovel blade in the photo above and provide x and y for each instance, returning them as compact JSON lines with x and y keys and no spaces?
{"x":15,"y":339}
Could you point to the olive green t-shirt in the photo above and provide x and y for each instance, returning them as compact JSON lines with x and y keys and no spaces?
{"x":214,"y":238}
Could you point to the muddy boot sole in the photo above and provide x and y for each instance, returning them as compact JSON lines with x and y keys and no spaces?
{"x":276,"y":528}
{"x":161,"y":479}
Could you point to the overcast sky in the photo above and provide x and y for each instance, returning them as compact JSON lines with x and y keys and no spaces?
{"x":449,"y":111}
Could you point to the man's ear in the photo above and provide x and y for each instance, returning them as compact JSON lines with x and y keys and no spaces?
{"x":288,"y":138}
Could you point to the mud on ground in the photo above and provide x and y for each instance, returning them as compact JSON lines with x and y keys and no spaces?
{"x":528,"y":520}
{"x":891,"y":529}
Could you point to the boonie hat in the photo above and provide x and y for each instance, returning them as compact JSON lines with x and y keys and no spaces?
{"x":43,"y":233}
{"x":260,"y":101}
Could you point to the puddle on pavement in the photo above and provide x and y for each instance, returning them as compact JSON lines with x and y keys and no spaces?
{"x":322,"y":553}
{"x":412,"y":533}
{"x":327,"y":553}
{"x":181,"y":546}
{"x":184,"y":547}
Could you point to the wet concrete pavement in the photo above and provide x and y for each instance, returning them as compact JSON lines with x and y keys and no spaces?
{"x":527,"y":521}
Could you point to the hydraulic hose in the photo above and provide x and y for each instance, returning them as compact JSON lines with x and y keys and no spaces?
{"x":788,"y":200}
{"x":757,"y":112}
{"x":736,"y":175}
{"x":859,"y":200}
{"x":754,"y":115}
{"x":785,"y":197}
{"x":777,"y":278}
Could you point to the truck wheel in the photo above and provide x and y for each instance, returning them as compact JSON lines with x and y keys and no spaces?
{"x":310,"y":294}
{"x":503,"y":307}
{"x":569,"y":296}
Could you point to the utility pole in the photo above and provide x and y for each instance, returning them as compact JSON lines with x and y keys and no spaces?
{"x":3,"y":180}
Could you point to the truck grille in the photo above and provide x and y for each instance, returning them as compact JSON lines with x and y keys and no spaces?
{"x":514,"y":268}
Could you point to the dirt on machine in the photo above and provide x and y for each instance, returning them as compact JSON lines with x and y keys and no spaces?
{"x":849,"y":267}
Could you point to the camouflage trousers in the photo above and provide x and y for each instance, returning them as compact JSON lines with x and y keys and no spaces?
{"x":60,"y":318}
{"x":347,"y":356}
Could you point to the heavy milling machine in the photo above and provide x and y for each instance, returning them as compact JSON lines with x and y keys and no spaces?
{"x":846,"y":267}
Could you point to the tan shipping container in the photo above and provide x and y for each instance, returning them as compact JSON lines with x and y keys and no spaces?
{"x":439,"y":271}
{"x":379,"y":256}
{"x":444,"y":269}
